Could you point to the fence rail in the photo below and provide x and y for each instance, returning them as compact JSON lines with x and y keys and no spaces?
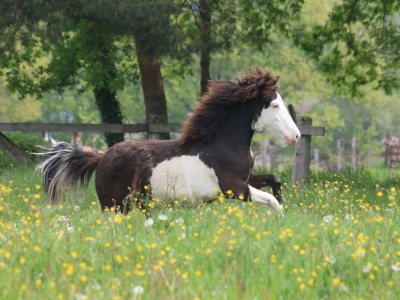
{"x":119,"y":128}
{"x":302,"y":149}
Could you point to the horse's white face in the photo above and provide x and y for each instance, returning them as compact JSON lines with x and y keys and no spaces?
{"x":276,"y":120}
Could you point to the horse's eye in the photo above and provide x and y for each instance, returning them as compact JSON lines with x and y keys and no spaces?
{"x":275,"y":105}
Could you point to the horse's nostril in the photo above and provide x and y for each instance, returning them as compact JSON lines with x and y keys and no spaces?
{"x":297,"y":137}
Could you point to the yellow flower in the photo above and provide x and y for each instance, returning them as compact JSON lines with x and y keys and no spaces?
{"x":335,"y":281}
{"x":84,"y":278}
{"x":70,"y":270}
{"x":371,"y":276}
{"x":74,"y":254}
{"x":119,"y":258}
{"x":107,"y":267}
{"x":197,"y":273}
{"x":296,"y":247}
{"x":379,"y":194}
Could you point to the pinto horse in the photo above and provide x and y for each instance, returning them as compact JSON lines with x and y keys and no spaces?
{"x":212,"y":156}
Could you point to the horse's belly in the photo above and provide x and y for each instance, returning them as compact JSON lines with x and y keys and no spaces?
{"x":184,"y":178}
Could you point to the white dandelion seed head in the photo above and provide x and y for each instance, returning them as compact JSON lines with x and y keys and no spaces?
{"x":96,"y":286}
{"x":343,"y":288}
{"x":331,"y":259}
{"x":396,"y":267}
{"x":162,"y":217}
{"x":138,"y":290}
{"x":348,"y":216}
{"x":149,"y":222}
{"x":328,"y":218}
{"x":70,"y":229}
{"x":76,"y":207}
{"x":63,"y":219}
{"x":80,"y":296}
{"x":179,"y":221}
{"x":366,"y":269}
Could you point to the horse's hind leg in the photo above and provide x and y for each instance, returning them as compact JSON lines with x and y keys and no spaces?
{"x":260,"y":181}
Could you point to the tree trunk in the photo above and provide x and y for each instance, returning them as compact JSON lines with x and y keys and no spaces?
{"x":153,"y":90}
{"x":110,"y":113}
{"x":205,"y":57}
{"x":11,"y":148}
{"x":106,"y":99}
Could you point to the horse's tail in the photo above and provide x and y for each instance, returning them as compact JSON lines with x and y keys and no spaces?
{"x":63,"y":168}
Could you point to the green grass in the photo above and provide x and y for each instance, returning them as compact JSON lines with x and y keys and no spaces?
{"x":339,"y":238}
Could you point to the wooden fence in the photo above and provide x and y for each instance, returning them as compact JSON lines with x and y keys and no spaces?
{"x":302,"y":148}
{"x":392,"y":155}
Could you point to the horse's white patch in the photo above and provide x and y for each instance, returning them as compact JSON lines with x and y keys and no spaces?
{"x":277,"y":121}
{"x":184,"y":177}
{"x":264,"y":197}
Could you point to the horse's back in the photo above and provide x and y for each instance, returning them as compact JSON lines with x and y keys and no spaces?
{"x":128,"y":166}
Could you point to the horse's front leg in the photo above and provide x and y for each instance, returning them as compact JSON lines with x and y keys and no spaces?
{"x":260,"y":181}
{"x":264,"y":197}
{"x":244,"y":191}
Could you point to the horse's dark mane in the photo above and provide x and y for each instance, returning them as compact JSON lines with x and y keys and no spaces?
{"x":222,"y":95}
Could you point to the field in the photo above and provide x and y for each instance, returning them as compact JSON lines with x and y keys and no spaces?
{"x":339,"y":238}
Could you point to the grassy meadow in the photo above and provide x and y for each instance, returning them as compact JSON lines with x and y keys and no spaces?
{"x":339,"y":238}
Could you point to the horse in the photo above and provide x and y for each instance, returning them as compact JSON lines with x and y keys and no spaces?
{"x":212,"y":155}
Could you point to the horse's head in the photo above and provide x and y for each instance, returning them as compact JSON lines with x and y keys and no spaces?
{"x":276,"y":120}
{"x":271,"y":114}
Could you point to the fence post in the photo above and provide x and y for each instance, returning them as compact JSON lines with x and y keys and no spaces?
{"x":263,"y":150}
{"x":354,"y":161}
{"x":301,"y":166}
{"x":316,"y":158}
{"x":340,"y":149}
{"x":272,"y":154}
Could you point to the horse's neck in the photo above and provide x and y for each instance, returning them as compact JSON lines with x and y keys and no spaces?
{"x":237,"y":129}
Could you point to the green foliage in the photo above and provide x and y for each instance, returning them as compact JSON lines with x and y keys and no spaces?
{"x":357,"y":46}
{"x":7,"y":162}
{"x":14,"y":109}
{"x":28,"y":142}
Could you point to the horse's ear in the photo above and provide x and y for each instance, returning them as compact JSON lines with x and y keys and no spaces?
{"x":276,"y":83}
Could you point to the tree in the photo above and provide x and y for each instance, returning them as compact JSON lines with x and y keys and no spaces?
{"x":242,"y":21}
{"x":358,"y":45}
{"x":84,"y":39}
